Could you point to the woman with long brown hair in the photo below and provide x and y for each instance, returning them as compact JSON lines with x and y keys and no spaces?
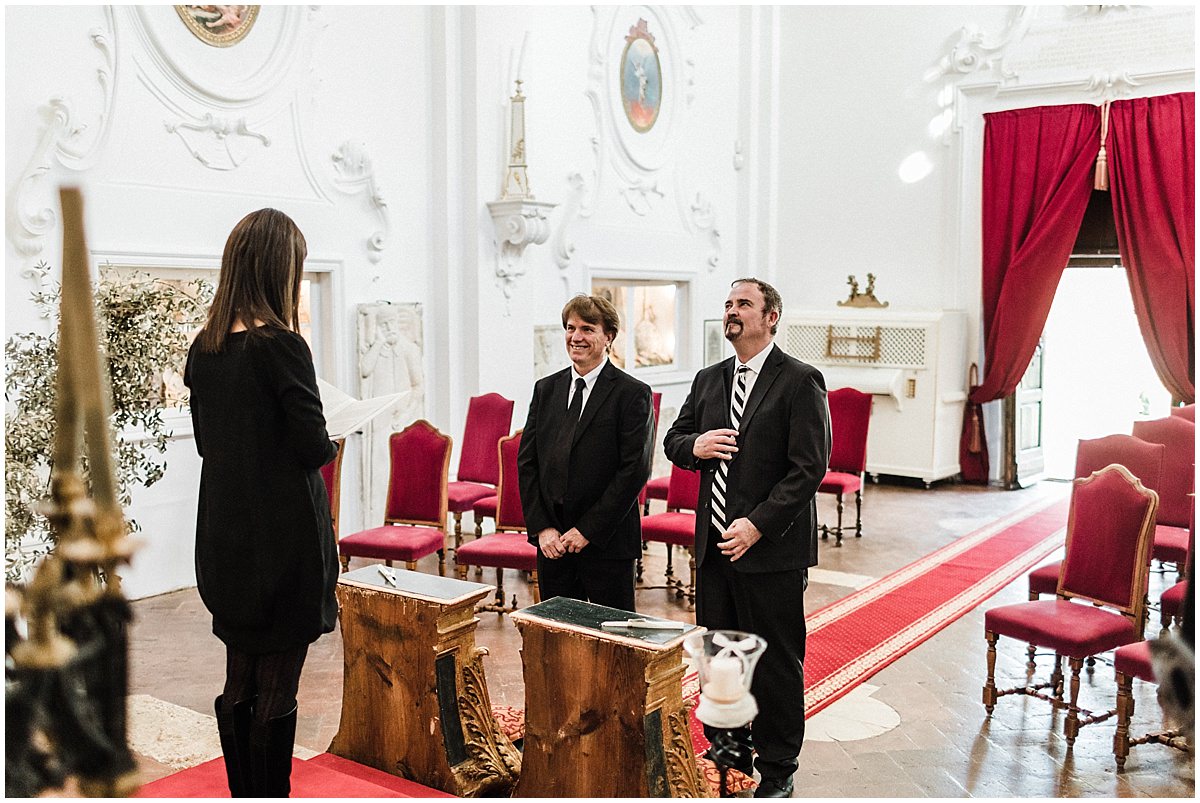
{"x":266,"y":558}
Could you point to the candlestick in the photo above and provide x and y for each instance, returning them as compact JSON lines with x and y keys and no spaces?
{"x":521,"y":62}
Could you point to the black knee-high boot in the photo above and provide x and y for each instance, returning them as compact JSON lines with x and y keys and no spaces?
{"x":233,"y":725}
{"x":271,"y":755}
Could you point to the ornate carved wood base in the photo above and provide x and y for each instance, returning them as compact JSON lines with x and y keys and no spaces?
{"x":604,"y":713}
{"x":414,"y":696}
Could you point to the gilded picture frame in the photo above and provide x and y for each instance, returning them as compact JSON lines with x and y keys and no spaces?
{"x":219,"y":26}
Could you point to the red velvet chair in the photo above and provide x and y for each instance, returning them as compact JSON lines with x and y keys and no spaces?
{"x":1187,"y":411}
{"x":415,"y":515}
{"x":1171,"y":603}
{"x":1174,"y":509}
{"x":1109,"y":532}
{"x":676,"y":527}
{"x":489,"y":418}
{"x":1133,"y":661}
{"x":508,"y":547}
{"x":331,"y":473}
{"x":656,"y":487}
{"x":849,"y":417}
{"x":1144,"y":461}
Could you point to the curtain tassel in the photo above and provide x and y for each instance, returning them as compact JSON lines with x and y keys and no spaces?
{"x":1102,"y":158}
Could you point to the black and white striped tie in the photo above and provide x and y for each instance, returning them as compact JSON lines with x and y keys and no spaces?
{"x":720,"y":481}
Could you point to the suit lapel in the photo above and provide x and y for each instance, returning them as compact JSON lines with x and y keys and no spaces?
{"x":557,"y":403}
{"x":770,"y":372}
{"x":604,"y":386}
{"x":727,"y":391}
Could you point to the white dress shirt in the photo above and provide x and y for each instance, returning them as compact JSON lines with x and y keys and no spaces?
{"x":755,"y":366}
{"x":589,"y":382}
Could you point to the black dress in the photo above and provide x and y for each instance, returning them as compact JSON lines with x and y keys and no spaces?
{"x":266,"y":558}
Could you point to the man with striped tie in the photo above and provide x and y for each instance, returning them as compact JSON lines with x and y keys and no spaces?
{"x":757,"y":427}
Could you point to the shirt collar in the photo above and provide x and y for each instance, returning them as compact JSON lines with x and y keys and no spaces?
{"x":589,"y":379}
{"x":755,"y":363}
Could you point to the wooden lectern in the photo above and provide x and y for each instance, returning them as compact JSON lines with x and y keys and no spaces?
{"x":604,"y":712}
{"x":414,"y":697}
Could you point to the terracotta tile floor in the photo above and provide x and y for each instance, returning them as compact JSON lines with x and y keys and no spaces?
{"x":944,"y":745}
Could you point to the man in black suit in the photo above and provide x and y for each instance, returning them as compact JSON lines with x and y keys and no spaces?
{"x":584,"y":457}
{"x":757,"y":427}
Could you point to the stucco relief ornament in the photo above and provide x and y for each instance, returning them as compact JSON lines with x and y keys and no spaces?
{"x":219,"y":26}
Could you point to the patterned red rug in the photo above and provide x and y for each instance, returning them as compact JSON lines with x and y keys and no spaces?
{"x":853,"y":638}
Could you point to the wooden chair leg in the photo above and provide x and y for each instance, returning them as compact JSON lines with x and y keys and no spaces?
{"x":1056,"y":677}
{"x":639,"y":567}
{"x":858,"y":513}
{"x":457,"y":530}
{"x":1031,"y":651}
{"x":1124,"y":715}
{"x":1072,"y":725}
{"x":691,"y":592}
{"x":441,"y":562}
{"x":411,"y":565}
{"x":670,"y":571}
{"x":479,"y":526}
{"x":345,"y":560}
{"x":461,"y":570}
{"x":989,"y":688}
{"x":537,"y":591}
{"x":500,"y":588}
{"x":838,"y":531}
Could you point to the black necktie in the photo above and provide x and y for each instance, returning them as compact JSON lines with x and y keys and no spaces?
{"x":560,"y":455}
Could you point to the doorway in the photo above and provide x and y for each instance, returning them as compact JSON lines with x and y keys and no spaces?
{"x":1098,"y":378}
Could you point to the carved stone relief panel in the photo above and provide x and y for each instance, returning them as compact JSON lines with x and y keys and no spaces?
{"x":391,"y":359}
{"x":549,"y":350}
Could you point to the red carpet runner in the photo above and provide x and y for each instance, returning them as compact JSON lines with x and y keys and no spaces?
{"x":853,"y":638}
{"x":325,"y":775}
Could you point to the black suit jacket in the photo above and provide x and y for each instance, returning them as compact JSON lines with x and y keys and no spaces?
{"x":609,"y":462}
{"x":783,"y":452}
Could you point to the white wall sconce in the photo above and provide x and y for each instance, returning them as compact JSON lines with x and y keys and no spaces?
{"x":518,"y":218}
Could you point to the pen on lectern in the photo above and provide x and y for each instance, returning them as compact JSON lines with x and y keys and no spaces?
{"x":646,"y":624}
{"x":389,"y":576}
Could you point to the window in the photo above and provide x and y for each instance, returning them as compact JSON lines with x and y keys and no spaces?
{"x":650,"y":313}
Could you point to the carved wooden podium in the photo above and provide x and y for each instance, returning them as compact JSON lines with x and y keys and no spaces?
{"x":414,"y":697}
{"x":604,"y":712}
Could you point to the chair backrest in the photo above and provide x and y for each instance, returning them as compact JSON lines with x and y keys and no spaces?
{"x":331,"y":473}
{"x":683,"y":490}
{"x":489,"y":418}
{"x":420,"y":468}
{"x":1144,"y":460}
{"x":849,"y":417}
{"x":1187,"y":411}
{"x":1109,"y":533}
{"x":1179,"y":436}
{"x":510,"y":517}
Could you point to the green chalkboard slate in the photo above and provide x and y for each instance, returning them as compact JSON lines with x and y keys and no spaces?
{"x":588,"y":615}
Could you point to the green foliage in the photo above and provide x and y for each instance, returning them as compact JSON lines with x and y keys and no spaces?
{"x":144,"y":328}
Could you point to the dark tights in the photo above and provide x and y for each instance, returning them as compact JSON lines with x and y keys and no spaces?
{"x":274,"y":678}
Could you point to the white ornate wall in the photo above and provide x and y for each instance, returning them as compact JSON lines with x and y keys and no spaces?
{"x":382,"y":130}
{"x":910,"y":95}
{"x":174,"y":141}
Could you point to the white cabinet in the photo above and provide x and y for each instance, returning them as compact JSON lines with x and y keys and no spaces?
{"x":915,"y":366}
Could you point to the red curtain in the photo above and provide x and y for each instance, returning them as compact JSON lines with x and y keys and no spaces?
{"x":1038,"y":167}
{"x":1152,"y":158}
